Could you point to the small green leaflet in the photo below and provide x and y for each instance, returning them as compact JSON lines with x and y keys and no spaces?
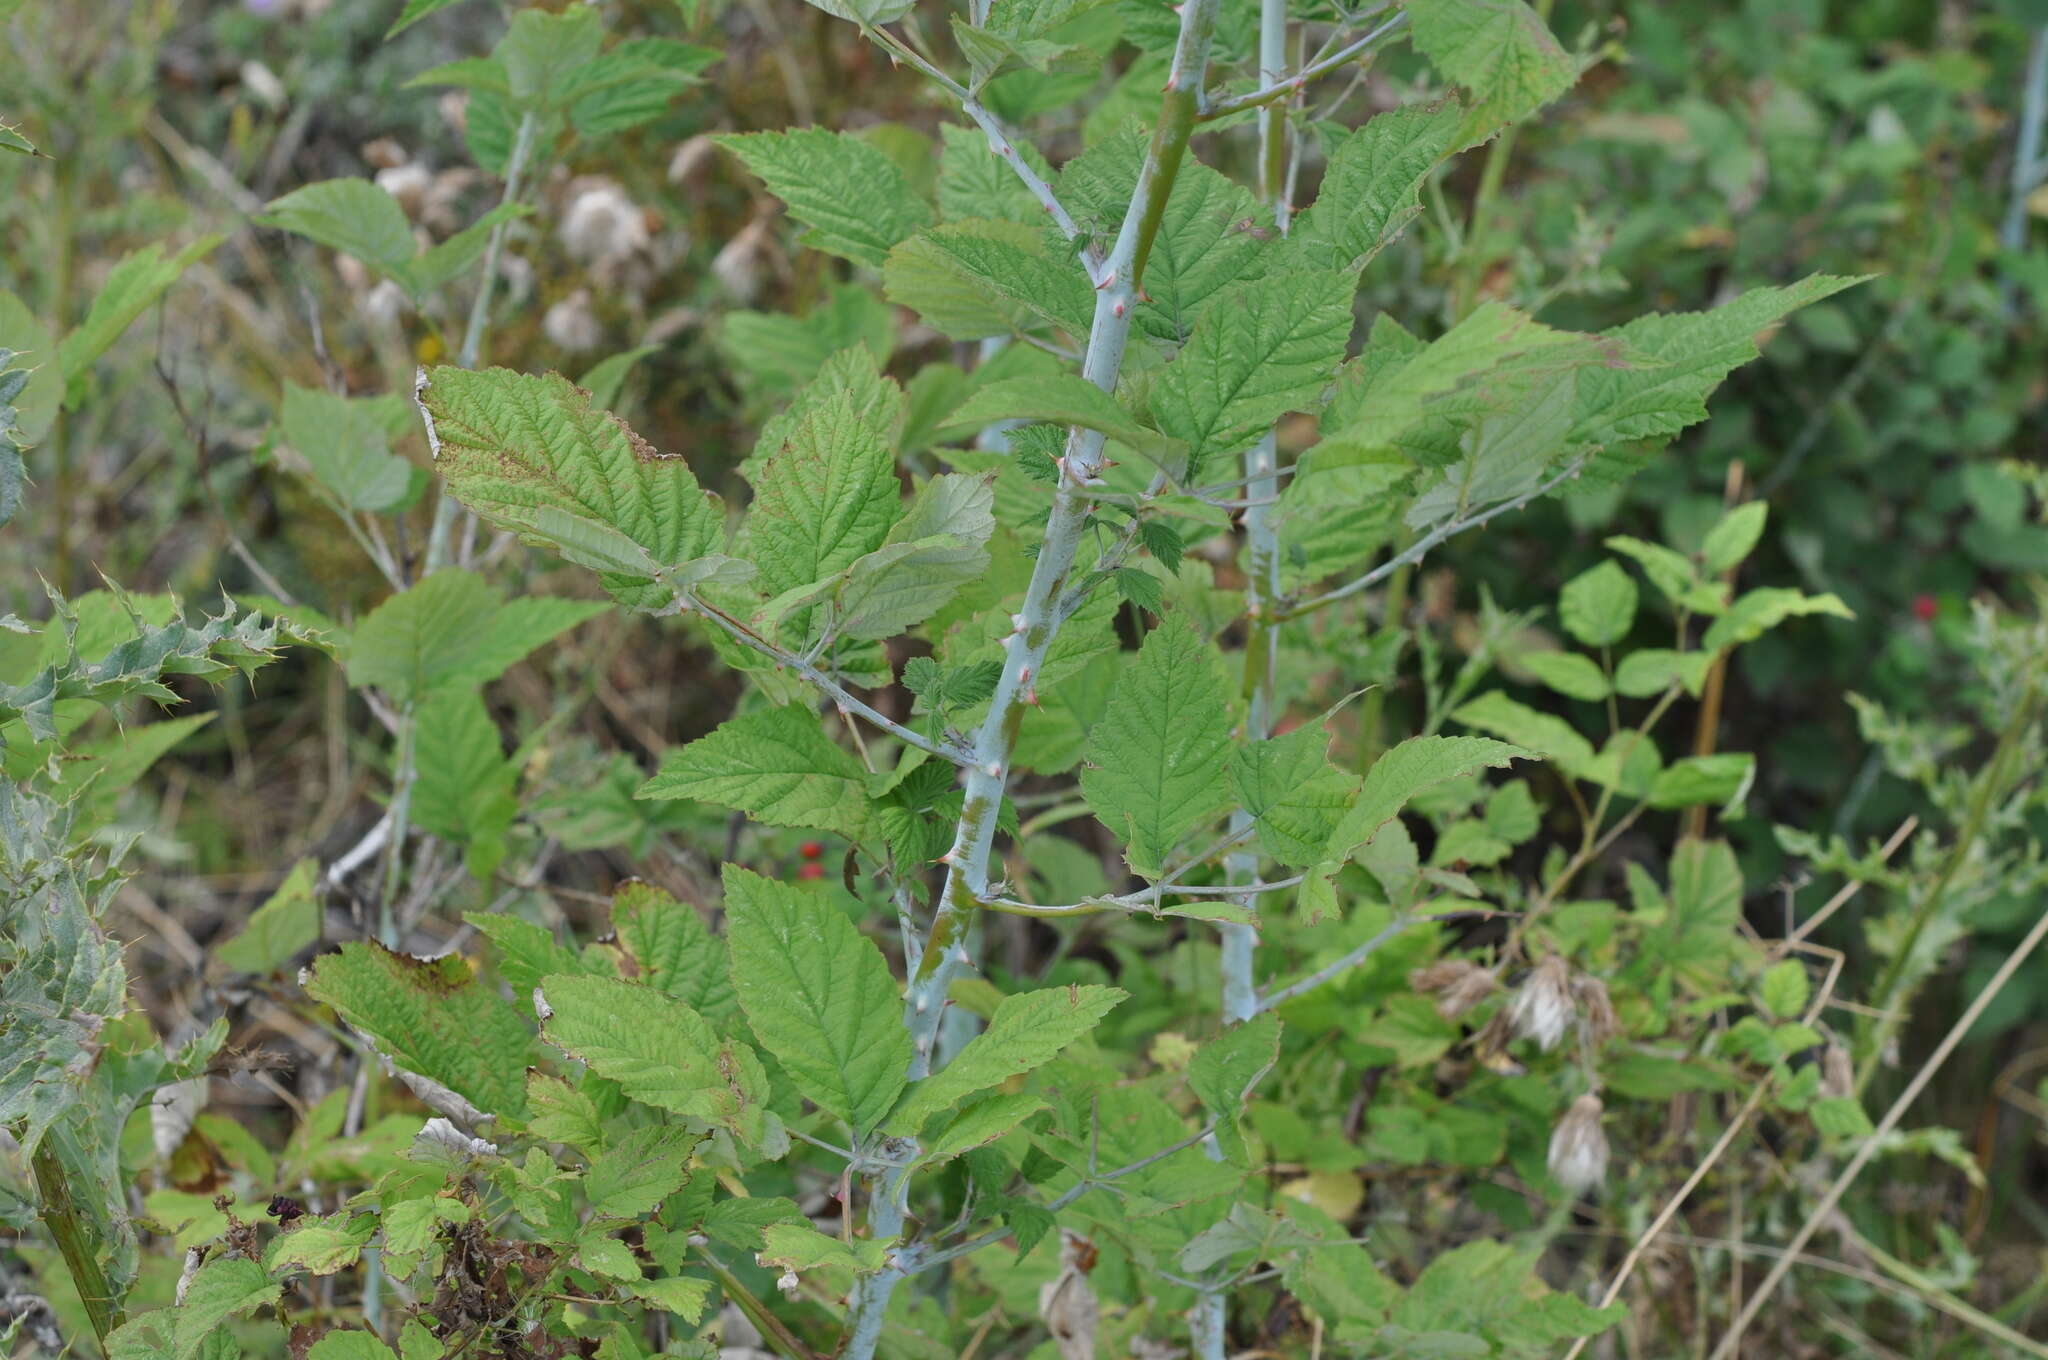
{"x":220,"y":1290}
{"x":631,"y":1178}
{"x":1598,"y":606}
{"x":819,"y":996}
{"x":1539,"y":733}
{"x":978,"y":278}
{"x":1155,"y":755}
{"x":852,"y":197}
{"x":346,"y":445}
{"x":453,"y":630}
{"x":533,"y":455}
{"x":433,"y":1018}
{"x":1226,"y":1069}
{"x":776,"y":765}
{"x":1416,"y":764}
{"x":1026,"y":1032}
{"x":658,"y":1050}
{"x":287,"y":922}
{"x":1293,"y":793}
{"x":1373,"y":186}
{"x":1267,"y":348}
{"x":1758,"y":611}
{"x":353,"y":216}
{"x":414,"y":11}
{"x":935,"y":549}
{"x":133,"y":286}
{"x":465,"y":790}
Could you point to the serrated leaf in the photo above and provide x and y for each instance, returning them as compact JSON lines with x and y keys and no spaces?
{"x":1292,"y":791}
{"x":287,"y":922}
{"x":827,"y":496}
{"x":322,"y":1246}
{"x":1373,"y":185}
{"x":1598,"y":606}
{"x":658,"y":1050}
{"x":349,"y":1343}
{"x":1499,"y":50}
{"x":1027,"y":1031}
{"x":1653,"y":669}
{"x":938,"y":547}
{"x":353,"y":216}
{"x":632,"y":1177}
{"x":542,"y":52}
{"x":1400,"y":774}
{"x":1720,"y":780}
{"x":445,"y":261}
{"x":1784,"y":988}
{"x":975,"y":279}
{"x":465,"y":790}
{"x":672,"y":949}
{"x":974,"y":182}
{"x":432,"y":1017}
{"x":1212,"y":234}
{"x":1155,"y":753}
{"x":819,"y":996}
{"x":513,"y":446}
{"x":776,"y":765}
{"x":1697,"y":350}
{"x":800,"y":1247}
{"x":1225,"y":1070}
{"x":678,"y":1294}
{"x":452,"y":630}
{"x":851,"y":196}
{"x":1267,"y":348}
{"x":221,"y":1289}
{"x":979,"y":1124}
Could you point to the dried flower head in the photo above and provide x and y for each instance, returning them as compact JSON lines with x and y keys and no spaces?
{"x":606,"y":230}
{"x":1457,"y":984}
{"x":408,"y":183}
{"x":571,"y":324}
{"x":742,"y":262}
{"x":1596,"y":1010}
{"x":1837,"y":1073}
{"x":1544,"y":1005}
{"x":1578,"y":1146}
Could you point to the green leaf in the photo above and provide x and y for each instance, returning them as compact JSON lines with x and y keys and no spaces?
{"x":348,"y":1343}
{"x":131,"y":289}
{"x":1293,"y":792}
{"x":414,"y":11}
{"x":1784,"y":988}
{"x":353,"y":216}
{"x":607,"y":376}
{"x":1027,"y":1031}
{"x":1734,"y":537}
{"x":678,"y":1294}
{"x":533,"y":455}
{"x":1499,"y":50}
{"x":1698,"y":350}
{"x":542,"y":52}
{"x":974,"y":183}
{"x":1722,"y":780}
{"x":1065,"y":399}
{"x":672,"y":949}
{"x":819,"y":996}
{"x":800,"y":1247}
{"x":777,"y":766}
{"x":12,"y":140}
{"x":980,"y":1124}
{"x":433,"y":1018}
{"x":977,"y":278}
{"x":322,"y":1246}
{"x":1155,"y":753}
{"x":452,"y":630}
{"x":1373,"y":186}
{"x":852,"y":197}
{"x":444,"y":262}
{"x":1267,"y":348}
{"x":1417,"y":764}
{"x":287,"y":922}
{"x":525,"y":952}
{"x":465,"y":789}
{"x":827,"y":496}
{"x":938,"y":547}
{"x":658,"y":1050}
{"x":221,"y":1289}
{"x":1541,"y":733}
{"x":867,"y":13}
{"x":1572,"y":675}
{"x":632,"y":1177}
{"x":1598,"y":606}
{"x":411,"y":1226}
{"x":1757,"y":612}
{"x":1226,"y":1069}
{"x":346,"y":445}
{"x":1654,"y":669}
{"x":1212,"y":234}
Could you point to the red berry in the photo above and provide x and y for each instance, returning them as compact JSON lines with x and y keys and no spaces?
{"x":812,"y":871}
{"x":1924,"y":606}
{"x":810,"y":850}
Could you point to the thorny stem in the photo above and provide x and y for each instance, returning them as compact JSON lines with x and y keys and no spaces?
{"x":771,"y":1326}
{"x":76,"y":1238}
{"x":480,"y":317}
{"x":1276,"y":90}
{"x":2028,"y":166}
{"x":1037,"y":621}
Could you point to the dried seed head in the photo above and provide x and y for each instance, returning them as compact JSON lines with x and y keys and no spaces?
{"x":408,"y":183}
{"x":1544,"y":1005}
{"x":572,"y":324}
{"x":1457,"y":984}
{"x":742,"y":264}
{"x":1837,"y":1073}
{"x":1578,"y":1146}
{"x":1596,"y":1010}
